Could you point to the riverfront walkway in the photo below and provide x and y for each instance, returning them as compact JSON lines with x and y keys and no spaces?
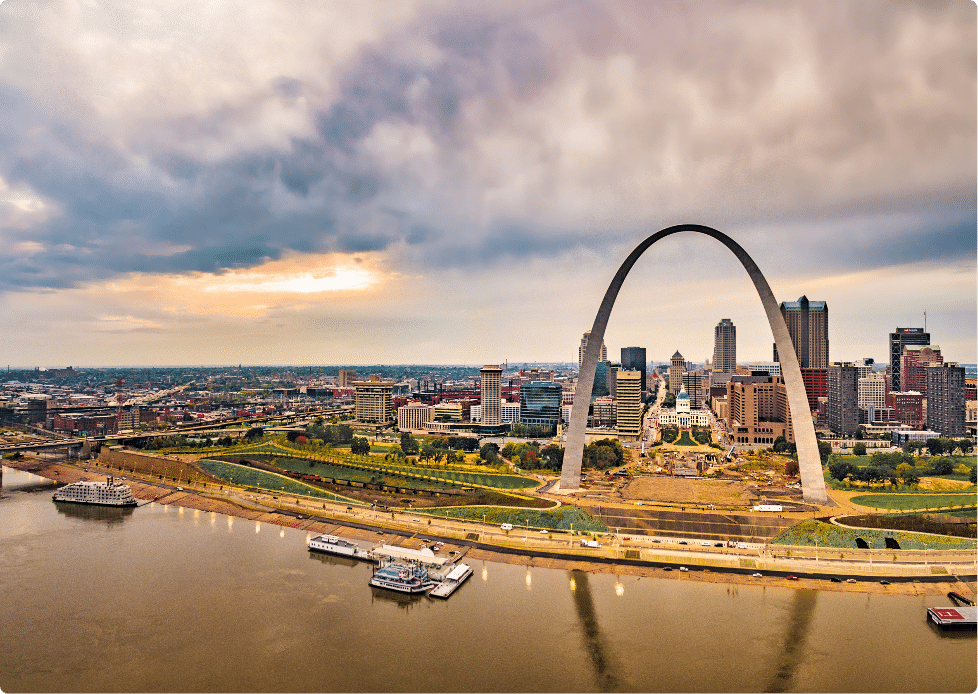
{"x":909,"y":572}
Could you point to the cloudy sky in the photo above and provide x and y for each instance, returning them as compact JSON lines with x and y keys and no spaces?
{"x":457,"y":182}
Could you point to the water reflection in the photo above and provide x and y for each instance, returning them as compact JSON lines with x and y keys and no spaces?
{"x":109,"y":515}
{"x":405,"y":601}
{"x":799,"y":622}
{"x":334,"y":560}
{"x":594,"y":641}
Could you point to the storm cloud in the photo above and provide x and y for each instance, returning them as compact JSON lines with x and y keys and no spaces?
{"x":178,"y":138}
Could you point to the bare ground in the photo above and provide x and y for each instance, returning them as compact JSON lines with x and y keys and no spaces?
{"x":681,"y":491}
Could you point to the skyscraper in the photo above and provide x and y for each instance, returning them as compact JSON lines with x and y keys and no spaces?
{"x":808,"y":326}
{"x":603,"y":356}
{"x":945,"y":399}
{"x":629,"y":404}
{"x":491,"y":380}
{"x":633,"y":359}
{"x":677,"y":368}
{"x":842,"y":415}
{"x":725,"y":346}
{"x":900,"y":338}
{"x":540,"y":403}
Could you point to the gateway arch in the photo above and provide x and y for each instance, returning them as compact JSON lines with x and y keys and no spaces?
{"x":812,"y":482}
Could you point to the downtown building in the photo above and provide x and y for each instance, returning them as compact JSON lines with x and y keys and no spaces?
{"x":414,"y":416}
{"x":629,"y":399}
{"x":946,"y":400}
{"x":374,"y":404}
{"x":634,"y":359}
{"x":842,"y":404}
{"x":757,"y":410}
{"x":808,"y":326}
{"x":914,"y":362}
{"x":899,"y":339}
{"x":540,"y":403}
{"x":490,"y":379}
{"x":677,"y":367}
{"x":602,"y":356}
{"x":725,"y":347}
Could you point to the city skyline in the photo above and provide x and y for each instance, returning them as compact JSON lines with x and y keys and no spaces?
{"x":422,"y":185}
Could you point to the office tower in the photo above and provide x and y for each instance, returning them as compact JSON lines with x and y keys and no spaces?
{"x":633,"y":359}
{"x":808,"y":326}
{"x":540,"y":403}
{"x":599,"y":388}
{"x":757,"y":410}
{"x":945,"y":399}
{"x":345,"y":378}
{"x":677,"y":368}
{"x":693,"y":383}
{"x":415,"y":416}
{"x":913,"y":366}
{"x":725,"y":346}
{"x":842,"y":415}
{"x":491,"y":377}
{"x":612,"y":374}
{"x":629,"y":404}
{"x":900,"y":338}
{"x":373,"y":401}
{"x":603,"y":356}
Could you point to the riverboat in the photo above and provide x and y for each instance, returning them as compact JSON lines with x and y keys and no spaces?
{"x":402,"y":578}
{"x":108,"y":493}
{"x":331,"y":544}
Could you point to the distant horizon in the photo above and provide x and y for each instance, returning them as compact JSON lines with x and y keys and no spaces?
{"x":352,"y":366}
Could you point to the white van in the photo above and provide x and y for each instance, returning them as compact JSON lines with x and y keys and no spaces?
{"x":506,"y":526}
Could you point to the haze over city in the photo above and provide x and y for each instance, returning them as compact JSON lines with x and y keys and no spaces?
{"x":436,"y":183}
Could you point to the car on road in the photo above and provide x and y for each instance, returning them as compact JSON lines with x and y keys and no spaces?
{"x":705,"y":544}
{"x":683,"y":568}
{"x":791,"y":577}
{"x":718,"y":544}
{"x":683,"y":542}
{"x":667,"y":568}
{"x":757,"y":575}
{"x":884,"y":582}
{"x":836,"y":579}
{"x":850,"y":580}
{"x":179,"y":489}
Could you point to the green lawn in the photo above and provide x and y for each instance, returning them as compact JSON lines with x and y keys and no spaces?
{"x":250,"y":477}
{"x":685,"y":440}
{"x":809,"y":532}
{"x":562,"y":518}
{"x":912,"y":502}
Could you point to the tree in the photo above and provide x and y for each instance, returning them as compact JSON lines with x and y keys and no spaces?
{"x":254,"y":434}
{"x":427,"y":451}
{"x":292,"y":435}
{"x":791,"y":468}
{"x":824,"y":451}
{"x":780,"y":445}
{"x":360,"y":446}
{"x":409,"y":444}
{"x":859,"y":449}
{"x":344,"y":433}
{"x":935,"y":446}
{"x":840,"y":470}
{"x":973,"y":476}
{"x":943,"y":467}
{"x":860,"y":434}
{"x":604,"y":454}
{"x":552,"y":457}
{"x":489,"y":452}
{"x":965,"y":445}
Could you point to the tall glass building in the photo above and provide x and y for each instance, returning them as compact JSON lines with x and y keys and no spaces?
{"x":540,"y":403}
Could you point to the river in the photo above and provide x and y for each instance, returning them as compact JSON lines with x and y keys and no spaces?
{"x":161,"y":598}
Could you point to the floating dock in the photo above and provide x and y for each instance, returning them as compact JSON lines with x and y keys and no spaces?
{"x":959,"y":616}
{"x":953,"y":617}
{"x":452,"y":581}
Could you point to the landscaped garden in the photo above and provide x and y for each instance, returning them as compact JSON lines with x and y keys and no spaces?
{"x":250,"y":477}
{"x":812,"y":533}
{"x":562,"y":518}
{"x":914,"y":502}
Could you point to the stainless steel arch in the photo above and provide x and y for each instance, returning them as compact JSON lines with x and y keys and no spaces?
{"x":813,"y":484}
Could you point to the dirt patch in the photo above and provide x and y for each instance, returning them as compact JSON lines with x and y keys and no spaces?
{"x":703,"y":491}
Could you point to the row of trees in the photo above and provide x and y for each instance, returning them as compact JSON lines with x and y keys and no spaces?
{"x":895,"y":467}
{"x":939,"y":446}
